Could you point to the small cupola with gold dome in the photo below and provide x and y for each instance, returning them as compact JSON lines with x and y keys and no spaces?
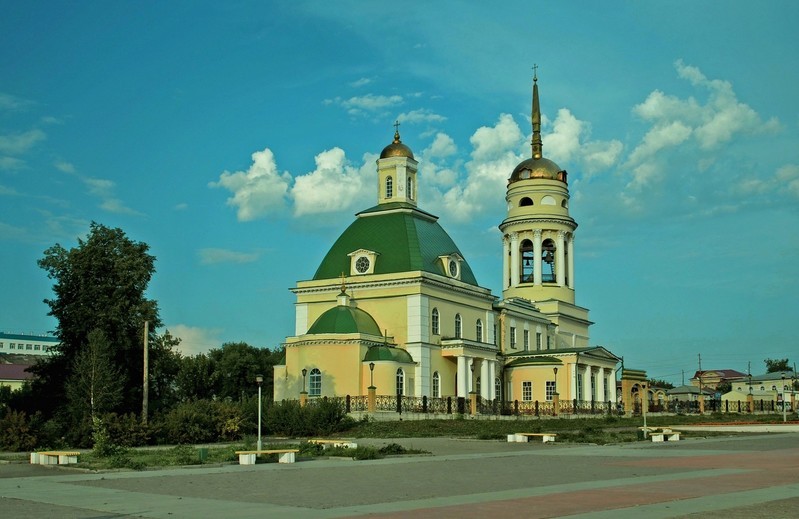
{"x":396,"y":171}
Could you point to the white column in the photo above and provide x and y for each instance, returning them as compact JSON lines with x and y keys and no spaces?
{"x":537,"y":279}
{"x":560,"y":260}
{"x":514,"y":259}
{"x":600,"y":385}
{"x":573,"y":381}
{"x":463,"y":375}
{"x":492,"y":374}
{"x":587,"y":384}
{"x":505,"y":263}
{"x":485,"y":380}
{"x":571,"y":261}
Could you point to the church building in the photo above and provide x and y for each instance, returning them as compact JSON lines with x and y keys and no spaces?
{"x":395,"y":305}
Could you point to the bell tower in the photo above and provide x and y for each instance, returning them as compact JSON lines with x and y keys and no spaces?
{"x":396,"y":173}
{"x":538,"y":233}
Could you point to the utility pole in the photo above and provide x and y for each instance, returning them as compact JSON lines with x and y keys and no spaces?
{"x":145,"y":388}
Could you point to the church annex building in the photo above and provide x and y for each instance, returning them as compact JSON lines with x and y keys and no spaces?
{"x":395,"y":305}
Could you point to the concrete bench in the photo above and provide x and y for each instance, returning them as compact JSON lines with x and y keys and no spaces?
{"x":284,"y":455}
{"x":661,"y":434}
{"x":525,"y":437}
{"x":334,"y":443}
{"x":54,"y":457}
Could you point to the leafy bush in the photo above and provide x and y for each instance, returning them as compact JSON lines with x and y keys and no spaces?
{"x":126,"y":429}
{"x":17,"y":432}
{"x":320,"y":418}
{"x":366,"y":453}
{"x":201,"y":421}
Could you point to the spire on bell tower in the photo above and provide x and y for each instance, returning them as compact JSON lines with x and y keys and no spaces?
{"x":536,"y":118}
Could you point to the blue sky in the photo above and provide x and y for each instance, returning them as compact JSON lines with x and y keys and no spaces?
{"x":217,"y":132}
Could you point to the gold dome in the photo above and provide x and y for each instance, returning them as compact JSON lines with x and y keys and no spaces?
{"x":537,"y":168}
{"x":396,"y":149}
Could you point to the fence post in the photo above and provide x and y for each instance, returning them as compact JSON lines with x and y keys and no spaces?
{"x":424,"y":404}
{"x":449,"y":405}
{"x":347,"y":404}
{"x":461,"y":405}
{"x":536,"y":407}
{"x":516,"y":407}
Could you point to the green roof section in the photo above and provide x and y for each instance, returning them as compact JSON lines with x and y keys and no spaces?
{"x":533,"y":361}
{"x":377,"y":353}
{"x":405,"y":239}
{"x":345,"y":319}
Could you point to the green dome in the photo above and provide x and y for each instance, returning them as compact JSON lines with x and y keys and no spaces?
{"x":345,"y":319}
{"x":404,"y":237}
{"x":376,"y":353}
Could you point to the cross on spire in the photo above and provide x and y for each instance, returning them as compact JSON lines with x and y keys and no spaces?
{"x":535,"y":72}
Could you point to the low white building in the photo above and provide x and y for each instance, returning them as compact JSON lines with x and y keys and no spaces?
{"x":27,"y":344}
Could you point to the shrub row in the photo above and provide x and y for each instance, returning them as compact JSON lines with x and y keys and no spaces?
{"x":198,"y":421}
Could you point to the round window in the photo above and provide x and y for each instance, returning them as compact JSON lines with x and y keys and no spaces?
{"x":362,"y":265}
{"x":453,"y":268}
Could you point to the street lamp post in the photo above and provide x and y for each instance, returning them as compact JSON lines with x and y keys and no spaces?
{"x":258,"y":380}
{"x":784,"y":416}
{"x":644,"y":403}
{"x":371,"y":374}
{"x":304,"y":372}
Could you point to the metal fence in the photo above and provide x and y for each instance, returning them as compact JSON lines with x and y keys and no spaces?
{"x":459,"y":405}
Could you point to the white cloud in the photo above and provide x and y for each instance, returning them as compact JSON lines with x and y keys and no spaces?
{"x":64,"y":166}
{"x":366,"y":104}
{"x":442,"y":147}
{"x":116,"y":206}
{"x":17,"y":144}
{"x":12,"y":103}
{"x":692,"y":131}
{"x":334,"y":185}
{"x":194,"y":340}
{"x":491,"y":143}
{"x":259,"y":191}
{"x":213,"y":256}
{"x":11,"y":163}
{"x":361,"y":82}
{"x":422,"y":115}
{"x":494,"y":156}
{"x":181,"y":206}
{"x":569,"y":143}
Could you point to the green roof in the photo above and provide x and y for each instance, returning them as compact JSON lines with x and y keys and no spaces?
{"x":533,"y":361}
{"x":345,"y":319}
{"x":388,"y":353}
{"x":405,"y":239}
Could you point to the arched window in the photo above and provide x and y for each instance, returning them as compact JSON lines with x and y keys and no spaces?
{"x":477,"y":386}
{"x":458,"y":324}
{"x":315,"y":383}
{"x":436,"y":385}
{"x":435,"y":322}
{"x":566,"y":263}
{"x":389,"y":187}
{"x":410,"y":188}
{"x":525,"y":202}
{"x":497,"y":389}
{"x":548,"y":250}
{"x":400,"y":382}
{"x":527,"y":265}
{"x":479,"y":331}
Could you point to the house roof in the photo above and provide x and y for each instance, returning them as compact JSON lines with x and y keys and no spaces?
{"x":723,"y":373}
{"x":14,"y":372}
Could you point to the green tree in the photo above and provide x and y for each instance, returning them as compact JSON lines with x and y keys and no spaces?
{"x":236,"y":364}
{"x":777,"y":365}
{"x":94,"y":386}
{"x":196,"y":378}
{"x":660,"y":383}
{"x":165,"y":363}
{"x":99,"y":284}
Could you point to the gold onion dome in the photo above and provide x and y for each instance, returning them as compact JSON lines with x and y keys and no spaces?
{"x":396,"y":149}
{"x":537,"y":166}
